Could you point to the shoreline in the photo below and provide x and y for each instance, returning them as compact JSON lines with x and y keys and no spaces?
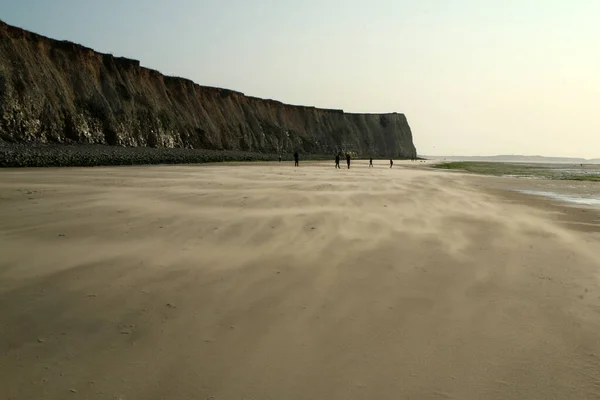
{"x":573,"y":216}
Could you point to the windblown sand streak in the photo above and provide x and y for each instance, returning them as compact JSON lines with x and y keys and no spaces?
{"x":269,"y":282}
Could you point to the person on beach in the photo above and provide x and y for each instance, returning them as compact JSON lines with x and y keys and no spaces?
{"x":296,"y":159}
{"x":348,"y":159}
{"x":337,"y":160}
{"x":280,"y":158}
{"x":370,"y":162}
{"x":391,"y":163}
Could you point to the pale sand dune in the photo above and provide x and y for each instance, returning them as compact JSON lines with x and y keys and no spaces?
{"x":269,"y":282}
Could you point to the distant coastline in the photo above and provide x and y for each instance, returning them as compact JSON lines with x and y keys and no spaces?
{"x":517,"y":158}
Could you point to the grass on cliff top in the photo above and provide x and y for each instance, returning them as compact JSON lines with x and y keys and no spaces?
{"x":556,"y":172}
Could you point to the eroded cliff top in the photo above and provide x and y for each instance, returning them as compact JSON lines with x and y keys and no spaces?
{"x":17,"y":33}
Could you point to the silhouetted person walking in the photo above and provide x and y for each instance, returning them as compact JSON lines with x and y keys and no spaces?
{"x":391,"y":163}
{"x":296,"y":159}
{"x":348,"y":159}
{"x":337,"y":160}
{"x":279,"y":158}
{"x":370,"y":162}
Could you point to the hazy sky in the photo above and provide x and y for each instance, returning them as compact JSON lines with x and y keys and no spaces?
{"x":474,"y":77}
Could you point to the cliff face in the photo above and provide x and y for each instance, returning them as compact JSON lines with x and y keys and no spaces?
{"x":60,"y":92}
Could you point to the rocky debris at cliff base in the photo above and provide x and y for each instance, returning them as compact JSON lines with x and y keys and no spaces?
{"x":14,"y":155}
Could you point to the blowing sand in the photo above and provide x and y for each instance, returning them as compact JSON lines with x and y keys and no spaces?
{"x":268,"y":282}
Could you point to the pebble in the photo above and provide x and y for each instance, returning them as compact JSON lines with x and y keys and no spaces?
{"x":60,"y":155}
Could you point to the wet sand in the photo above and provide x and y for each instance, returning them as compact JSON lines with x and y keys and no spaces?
{"x":264,"y":281}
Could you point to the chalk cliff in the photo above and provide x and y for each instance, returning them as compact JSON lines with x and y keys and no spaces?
{"x":60,"y":92}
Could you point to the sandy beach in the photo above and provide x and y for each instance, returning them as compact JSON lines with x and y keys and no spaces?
{"x":264,"y":281}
